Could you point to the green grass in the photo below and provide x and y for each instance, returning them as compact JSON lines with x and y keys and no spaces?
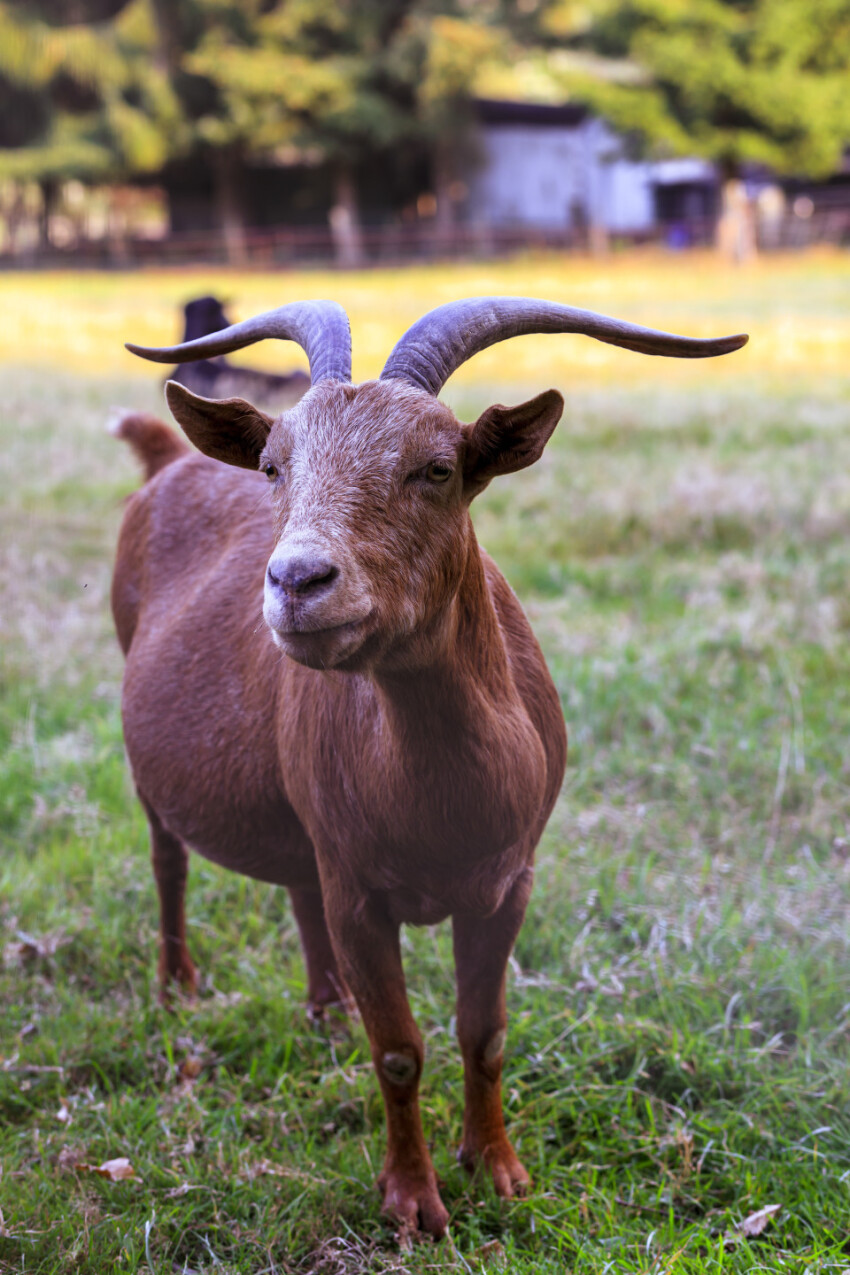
{"x":679,"y":1000}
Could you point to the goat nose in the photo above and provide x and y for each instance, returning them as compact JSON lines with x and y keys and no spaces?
{"x":301,"y":574}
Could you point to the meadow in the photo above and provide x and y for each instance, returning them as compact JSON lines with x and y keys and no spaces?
{"x":676,"y":1075}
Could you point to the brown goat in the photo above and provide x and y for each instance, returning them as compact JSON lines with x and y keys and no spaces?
{"x":388,"y":745}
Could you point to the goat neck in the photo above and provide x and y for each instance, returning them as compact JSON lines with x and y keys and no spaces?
{"x":456,"y":660}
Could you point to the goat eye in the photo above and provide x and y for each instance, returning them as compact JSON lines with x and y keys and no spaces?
{"x":437,"y":472}
{"x":269,"y":471}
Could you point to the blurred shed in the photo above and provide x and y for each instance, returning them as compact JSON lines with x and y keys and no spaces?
{"x":557,"y":168}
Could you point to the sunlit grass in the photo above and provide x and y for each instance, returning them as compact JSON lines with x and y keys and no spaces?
{"x":795,"y":308}
{"x":678,"y":1048}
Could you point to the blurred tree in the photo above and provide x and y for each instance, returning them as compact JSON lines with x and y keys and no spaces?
{"x":456,"y":53}
{"x":323,"y":79}
{"x":110,"y":89}
{"x":83,"y":101}
{"x":734,"y":81}
{"x":105,"y":89}
{"x":72,"y":12}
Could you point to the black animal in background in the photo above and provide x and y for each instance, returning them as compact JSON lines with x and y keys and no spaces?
{"x":219,"y":378}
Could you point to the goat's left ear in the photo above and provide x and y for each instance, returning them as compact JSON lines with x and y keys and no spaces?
{"x":505,"y":439}
{"x":228,"y":429}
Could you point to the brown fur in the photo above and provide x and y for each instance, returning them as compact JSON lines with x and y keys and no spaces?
{"x":388,"y":744}
{"x":154,"y":444}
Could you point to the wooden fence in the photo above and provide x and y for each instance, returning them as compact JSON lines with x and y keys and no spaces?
{"x":289,"y":247}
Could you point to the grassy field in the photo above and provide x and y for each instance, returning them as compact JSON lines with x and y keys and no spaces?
{"x":680,"y":1000}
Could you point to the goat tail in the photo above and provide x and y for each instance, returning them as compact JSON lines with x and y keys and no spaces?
{"x":154,"y":443}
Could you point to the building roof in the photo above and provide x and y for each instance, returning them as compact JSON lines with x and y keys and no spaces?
{"x":493,"y":111}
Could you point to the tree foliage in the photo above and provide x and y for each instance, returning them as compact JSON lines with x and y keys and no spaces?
{"x":309,"y":74}
{"x":736,"y":81}
{"x":111,"y":89}
{"x":151,"y":79}
{"x":83,"y":100}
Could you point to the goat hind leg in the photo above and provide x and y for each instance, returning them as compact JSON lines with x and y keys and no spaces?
{"x":170,"y":868}
{"x":325,"y":986}
{"x":482,"y":948}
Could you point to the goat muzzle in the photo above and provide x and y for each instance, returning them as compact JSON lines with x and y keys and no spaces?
{"x":315,"y":607}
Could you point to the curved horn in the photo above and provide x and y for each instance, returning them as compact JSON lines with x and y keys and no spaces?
{"x":436,"y":346}
{"x":319,"y":327}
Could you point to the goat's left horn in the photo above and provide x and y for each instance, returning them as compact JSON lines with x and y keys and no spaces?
{"x":320,"y":327}
{"x":439,"y":343}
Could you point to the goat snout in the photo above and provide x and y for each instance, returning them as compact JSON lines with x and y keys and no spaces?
{"x":301,"y":574}
{"x":313,"y":605}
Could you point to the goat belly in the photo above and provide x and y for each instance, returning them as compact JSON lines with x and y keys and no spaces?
{"x":268,"y":856}
{"x":207,"y":765}
{"x":253,"y":831}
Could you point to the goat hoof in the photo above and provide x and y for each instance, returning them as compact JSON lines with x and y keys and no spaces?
{"x":183,"y":973}
{"x":501,"y":1163}
{"x":412,"y":1202}
{"x":332,"y":1014}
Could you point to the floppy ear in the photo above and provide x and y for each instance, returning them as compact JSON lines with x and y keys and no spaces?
{"x":227,"y":429}
{"x":505,"y":439}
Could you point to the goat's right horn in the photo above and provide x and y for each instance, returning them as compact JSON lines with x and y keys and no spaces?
{"x":445,"y":338}
{"x":321,"y":328}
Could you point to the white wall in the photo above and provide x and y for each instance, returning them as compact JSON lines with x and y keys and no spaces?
{"x":539,"y":175}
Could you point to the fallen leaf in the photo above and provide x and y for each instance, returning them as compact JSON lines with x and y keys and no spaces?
{"x":261,"y":1169}
{"x":190,"y":1068}
{"x":406,"y":1235}
{"x":267,"y":1168}
{"x":116,"y":1170}
{"x":29,"y":948}
{"x":183,"y":1189}
{"x":756,"y":1222}
{"x":493,"y":1251}
{"x":68,"y":1159}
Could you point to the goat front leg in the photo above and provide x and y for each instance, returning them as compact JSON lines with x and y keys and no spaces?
{"x":170,"y":860}
{"x":367,"y":945}
{"x":482,"y":948}
{"x":325,"y":986}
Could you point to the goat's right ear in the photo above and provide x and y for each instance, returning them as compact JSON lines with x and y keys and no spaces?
{"x":228,"y":429}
